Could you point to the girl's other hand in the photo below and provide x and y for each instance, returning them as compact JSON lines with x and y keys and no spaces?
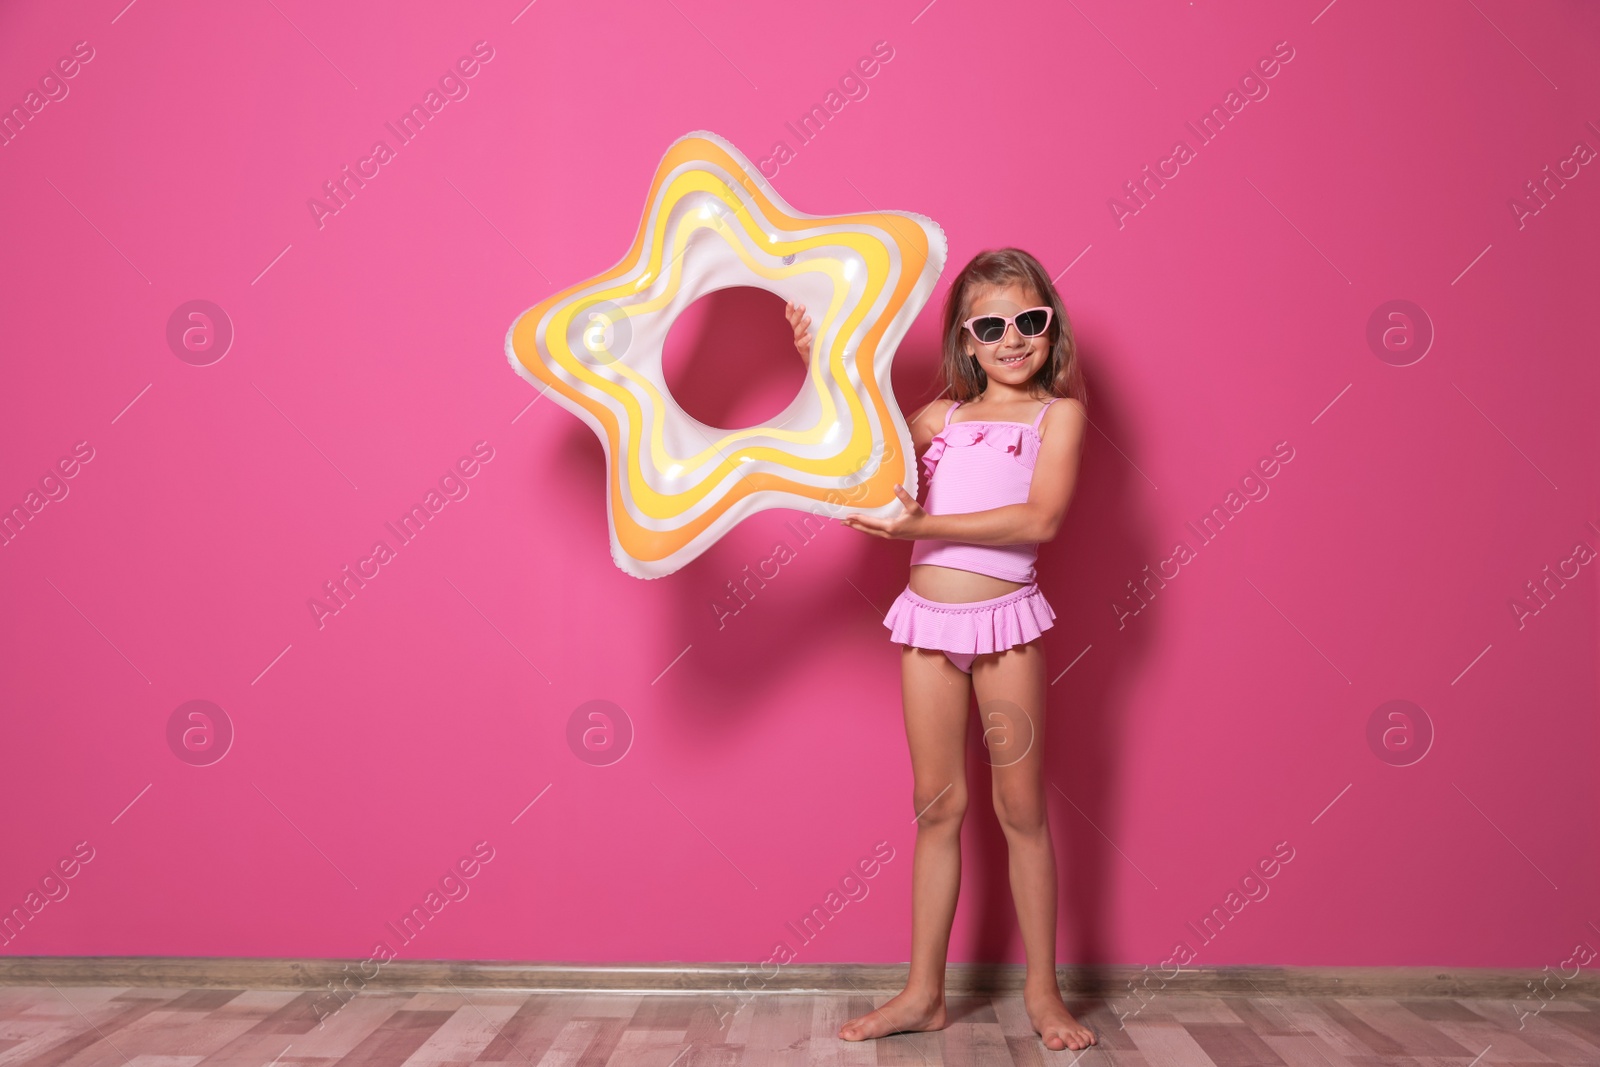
{"x":796,"y":314}
{"x":906,"y":526}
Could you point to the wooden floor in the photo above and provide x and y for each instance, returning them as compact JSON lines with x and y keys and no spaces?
{"x":67,"y":1026}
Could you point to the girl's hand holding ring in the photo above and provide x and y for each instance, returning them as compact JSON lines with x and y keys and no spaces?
{"x":906,"y":526}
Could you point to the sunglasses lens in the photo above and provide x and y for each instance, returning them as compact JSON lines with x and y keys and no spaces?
{"x":989,"y":329}
{"x":1032,"y":323}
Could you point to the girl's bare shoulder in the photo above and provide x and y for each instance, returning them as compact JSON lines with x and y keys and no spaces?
{"x":1064,"y":419}
{"x":1068,"y":404}
{"x":931,"y":416}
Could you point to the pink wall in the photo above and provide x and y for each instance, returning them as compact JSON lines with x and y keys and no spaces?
{"x":1226,"y":318}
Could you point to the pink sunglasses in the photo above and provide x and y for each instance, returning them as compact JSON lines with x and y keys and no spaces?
{"x":991,"y":329}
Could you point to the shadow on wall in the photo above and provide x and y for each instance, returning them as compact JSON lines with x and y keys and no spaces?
{"x":730,"y":361}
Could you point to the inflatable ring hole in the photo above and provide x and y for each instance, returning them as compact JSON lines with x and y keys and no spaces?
{"x":730,"y":359}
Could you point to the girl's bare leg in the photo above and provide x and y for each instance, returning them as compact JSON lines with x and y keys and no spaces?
{"x":937,"y":698}
{"x":1011,"y":709}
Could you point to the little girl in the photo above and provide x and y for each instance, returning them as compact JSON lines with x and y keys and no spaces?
{"x":1000,"y":459}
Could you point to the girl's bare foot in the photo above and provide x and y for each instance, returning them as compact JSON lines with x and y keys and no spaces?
{"x":1055,"y":1024}
{"x":907,"y":1011}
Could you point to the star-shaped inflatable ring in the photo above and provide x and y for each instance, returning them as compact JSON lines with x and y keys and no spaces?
{"x":674,"y":484}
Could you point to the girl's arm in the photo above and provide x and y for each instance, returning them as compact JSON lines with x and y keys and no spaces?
{"x":1055,"y":476}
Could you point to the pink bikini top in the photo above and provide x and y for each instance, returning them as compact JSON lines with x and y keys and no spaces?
{"x":975,"y":466}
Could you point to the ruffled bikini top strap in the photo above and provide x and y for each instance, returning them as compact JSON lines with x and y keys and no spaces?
{"x":951,"y":410}
{"x":1039,"y":419}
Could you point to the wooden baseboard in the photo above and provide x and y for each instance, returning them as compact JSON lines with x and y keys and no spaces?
{"x":1109,"y":982}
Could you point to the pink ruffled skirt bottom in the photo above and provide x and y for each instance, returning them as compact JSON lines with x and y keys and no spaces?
{"x":967,"y":630}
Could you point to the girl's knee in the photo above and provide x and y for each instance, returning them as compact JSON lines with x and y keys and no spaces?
{"x":942,"y":807}
{"x":1020,"y":814}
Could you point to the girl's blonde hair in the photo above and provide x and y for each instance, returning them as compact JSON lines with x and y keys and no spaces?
{"x":1061,"y":375}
